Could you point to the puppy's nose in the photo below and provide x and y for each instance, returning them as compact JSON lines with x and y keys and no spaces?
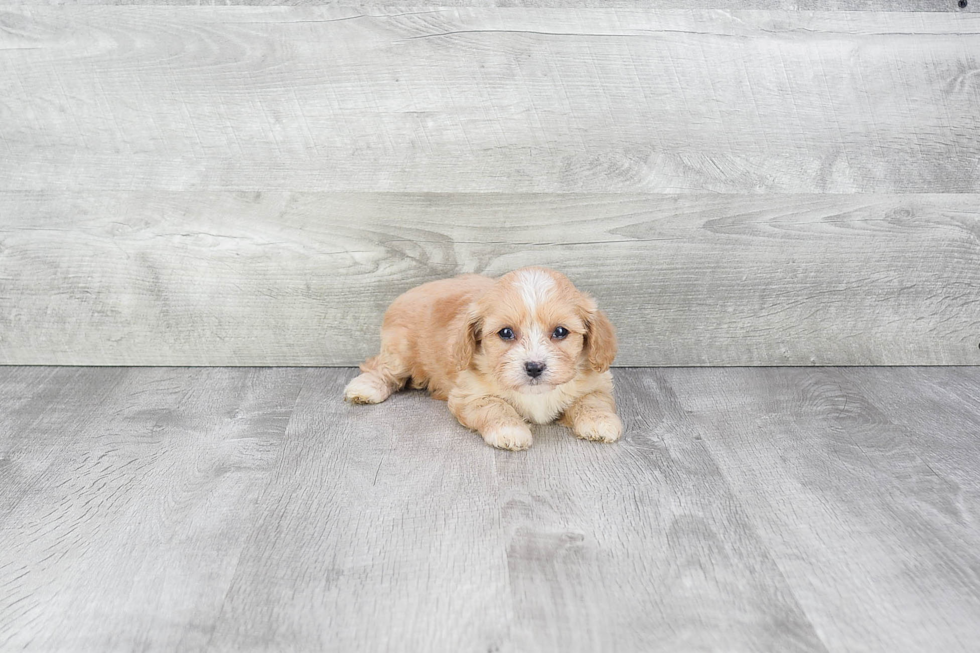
{"x":534,"y":369}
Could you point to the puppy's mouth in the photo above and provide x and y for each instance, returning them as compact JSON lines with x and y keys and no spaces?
{"x":536,"y":386}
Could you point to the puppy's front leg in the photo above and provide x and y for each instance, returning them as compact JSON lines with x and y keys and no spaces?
{"x":593,"y":417}
{"x":493,"y":418}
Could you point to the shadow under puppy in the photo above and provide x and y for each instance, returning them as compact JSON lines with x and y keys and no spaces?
{"x":528,"y":347}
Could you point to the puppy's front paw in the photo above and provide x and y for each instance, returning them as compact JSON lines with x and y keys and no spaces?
{"x":366,"y":389}
{"x":599,"y":427}
{"x":515,"y":438}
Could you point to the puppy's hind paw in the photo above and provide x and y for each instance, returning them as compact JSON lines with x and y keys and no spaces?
{"x":366,"y":389}
{"x":514,"y":438}
{"x":602,"y":427}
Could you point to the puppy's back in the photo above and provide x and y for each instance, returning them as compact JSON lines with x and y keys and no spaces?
{"x":422,"y":325}
{"x":436,"y":303}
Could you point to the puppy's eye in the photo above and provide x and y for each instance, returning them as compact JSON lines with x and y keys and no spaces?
{"x":506,"y":333}
{"x":559,"y":333}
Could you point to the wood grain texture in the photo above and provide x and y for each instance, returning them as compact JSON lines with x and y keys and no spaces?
{"x":47,"y":400}
{"x":376,"y":535}
{"x":132,"y":496}
{"x":951,"y":6}
{"x":488,"y":99}
{"x":642,"y":546}
{"x":833,"y":483}
{"x":304,"y":278}
{"x":780,"y":509}
{"x":938,"y":410}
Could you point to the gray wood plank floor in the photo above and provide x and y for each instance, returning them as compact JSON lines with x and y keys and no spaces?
{"x":746,"y":509}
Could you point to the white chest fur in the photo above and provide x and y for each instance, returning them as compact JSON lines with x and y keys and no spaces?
{"x":541,"y":408}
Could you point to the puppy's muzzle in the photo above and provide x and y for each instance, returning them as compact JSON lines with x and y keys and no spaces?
{"x":534,"y":369}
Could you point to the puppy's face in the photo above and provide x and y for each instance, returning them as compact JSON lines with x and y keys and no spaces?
{"x":534,"y":330}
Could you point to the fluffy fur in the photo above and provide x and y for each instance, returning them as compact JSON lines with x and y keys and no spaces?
{"x":451,"y":337}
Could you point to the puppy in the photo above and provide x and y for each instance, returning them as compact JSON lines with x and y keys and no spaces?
{"x":528,"y":347}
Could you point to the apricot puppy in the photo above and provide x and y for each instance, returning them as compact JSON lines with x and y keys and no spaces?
{"x":528,"y":347}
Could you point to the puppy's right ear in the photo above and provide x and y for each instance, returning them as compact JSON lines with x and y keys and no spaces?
{"x":600,"y":337}
{"x":467,"y":337}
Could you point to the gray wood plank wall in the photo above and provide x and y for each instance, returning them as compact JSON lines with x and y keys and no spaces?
{"x":249,"y":185}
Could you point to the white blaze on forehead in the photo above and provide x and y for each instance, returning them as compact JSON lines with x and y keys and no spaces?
{"x":535,"y":336}
{"x":534,"y":286}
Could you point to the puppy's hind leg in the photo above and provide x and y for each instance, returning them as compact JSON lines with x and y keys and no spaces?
{"x":381,"y":375}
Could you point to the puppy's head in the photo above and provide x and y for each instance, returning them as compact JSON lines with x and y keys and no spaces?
{"x":534,"y":330}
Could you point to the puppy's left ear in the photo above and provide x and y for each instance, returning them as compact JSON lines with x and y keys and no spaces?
{"x":466,"y":338}
{"x":600,"y":338}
